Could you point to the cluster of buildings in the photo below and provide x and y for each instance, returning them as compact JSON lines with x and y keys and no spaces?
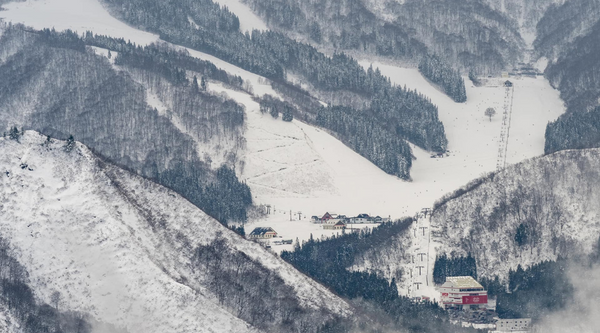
{"x":335,"y":221}
{"x":465,"y":293}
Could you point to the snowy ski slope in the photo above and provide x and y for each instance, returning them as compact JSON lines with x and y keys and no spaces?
{"x":295,"y":166}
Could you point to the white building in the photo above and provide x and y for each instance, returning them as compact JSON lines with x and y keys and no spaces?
{"x":463,"y":293}
{"x":513,"y":325}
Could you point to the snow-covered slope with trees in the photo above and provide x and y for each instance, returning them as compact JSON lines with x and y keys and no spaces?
{"x":469,"y":34}
{"x":532,"y":211}
{"x":248,"y":20}
{"x":129,"y":252}
{"x":295,"y":166}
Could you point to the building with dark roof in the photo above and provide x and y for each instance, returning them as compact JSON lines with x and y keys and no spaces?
{"x":262,"y":233}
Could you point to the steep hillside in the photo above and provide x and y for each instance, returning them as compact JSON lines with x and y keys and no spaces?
{"x":468,"y":34}
{"x":333,"y":176}
{"x":144,"y":115}
{"x":553,"y":201}
{"x":568,"y":37}
{"x":563,"y":24}
{"x":554,"y":198}
{"x":139,"y":256}
{"x":526,"y":13}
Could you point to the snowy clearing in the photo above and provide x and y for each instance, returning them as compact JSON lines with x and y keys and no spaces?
{"x":77,"y":15}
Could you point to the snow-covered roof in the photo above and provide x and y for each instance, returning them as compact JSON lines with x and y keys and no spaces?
{"x":259,"y":231}
{"x":463,"y":282}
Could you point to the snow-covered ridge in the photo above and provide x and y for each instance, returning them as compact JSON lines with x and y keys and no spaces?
{"x":556,"y":197}
{"x":118,"y":246}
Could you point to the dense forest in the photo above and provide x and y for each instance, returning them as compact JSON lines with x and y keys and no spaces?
{"x":380,"y":145}
{"x":568,"y":35}
{"x":54,"y":84}
{"x":562,"y":24}
{"x":444,"y":76}
{"x":255,"y":293}
{"x":338,"y":80}
{"x":470,"y":34}
{"x":528,"y":296}
{"x":453,"y":266}
{"x":576,"y":73}
{"x":574,"y":130}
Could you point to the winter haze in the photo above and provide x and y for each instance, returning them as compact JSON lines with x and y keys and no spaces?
{"x":299,"y":166}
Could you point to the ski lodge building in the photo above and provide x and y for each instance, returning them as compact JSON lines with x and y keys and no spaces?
{"x":463,"y":293}
{"x":262,"y":233}
{"x":338,"y":226}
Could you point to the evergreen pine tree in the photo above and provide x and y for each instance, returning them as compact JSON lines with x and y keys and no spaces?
{"x":288,"y":115}
{"x":14,"y":133}
{"x":522,"y":235}
{"x":203,"y":83}
{"x":70,"y":144}
{"x":195,"y":86}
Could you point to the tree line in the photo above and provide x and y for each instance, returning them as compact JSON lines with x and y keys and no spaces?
{"x":453,"y":266}
{"x":444,"y":76}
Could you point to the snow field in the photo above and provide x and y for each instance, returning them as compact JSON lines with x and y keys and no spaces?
{"x":77,"y":15}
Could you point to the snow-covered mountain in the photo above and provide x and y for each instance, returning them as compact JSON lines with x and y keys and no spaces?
{"x":130,"y":253}
{"x":554,"y":200}
{"x":299,"y":167}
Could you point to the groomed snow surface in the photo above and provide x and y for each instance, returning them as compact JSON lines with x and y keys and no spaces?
{"x":312,"y":172}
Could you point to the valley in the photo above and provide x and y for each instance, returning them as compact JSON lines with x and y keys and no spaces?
{"x":144,"y":223}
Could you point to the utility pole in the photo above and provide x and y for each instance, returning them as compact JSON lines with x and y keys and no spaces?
{"x":290,"y":214}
